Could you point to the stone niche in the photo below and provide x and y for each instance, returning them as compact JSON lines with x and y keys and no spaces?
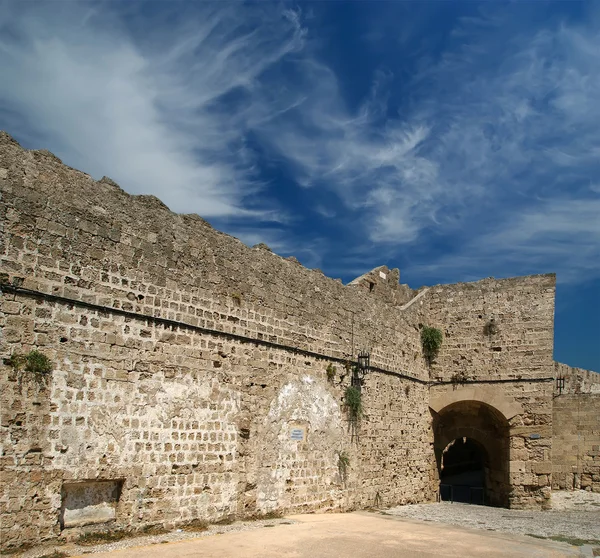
{"x":89,"y":502}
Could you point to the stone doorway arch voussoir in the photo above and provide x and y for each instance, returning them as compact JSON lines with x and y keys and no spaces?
{"x":490,"y":395}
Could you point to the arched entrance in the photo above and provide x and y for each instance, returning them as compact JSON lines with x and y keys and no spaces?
{"x":471,"y":444}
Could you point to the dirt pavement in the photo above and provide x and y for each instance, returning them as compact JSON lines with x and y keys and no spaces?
{"x":359,"y":535}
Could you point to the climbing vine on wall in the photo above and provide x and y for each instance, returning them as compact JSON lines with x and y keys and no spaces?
{"x":431,"y":341}
{"x":331,"y":371}
{"x":353,"y":401}
{"x":343,"y":465}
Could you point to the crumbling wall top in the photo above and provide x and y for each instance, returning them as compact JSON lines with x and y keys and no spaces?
{"x":384,"y":283}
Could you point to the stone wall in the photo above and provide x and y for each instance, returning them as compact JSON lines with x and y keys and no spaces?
{"x":494,"y":329}
{"x":576,"y":430}
{"x":499,"y":335}
{"x":183,"y":362}
{"x":190,"y":375}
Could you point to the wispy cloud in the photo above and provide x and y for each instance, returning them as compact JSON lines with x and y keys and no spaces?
{"x":373,"y":165}
{"x":160,"y":104}
{"x":560,"y":235}
{"x":502,"y":134}
{"x":485,"y":160}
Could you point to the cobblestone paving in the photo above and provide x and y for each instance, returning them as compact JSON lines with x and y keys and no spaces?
{"x":574,"y":515}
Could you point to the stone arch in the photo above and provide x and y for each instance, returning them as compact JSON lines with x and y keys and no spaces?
{"x":486,"y":394}
{"x":487,"y":427}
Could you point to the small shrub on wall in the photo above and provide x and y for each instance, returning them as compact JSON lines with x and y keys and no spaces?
{"x":459,"y":378}
{"x":431,"y":341}
{"x":37,"y":364}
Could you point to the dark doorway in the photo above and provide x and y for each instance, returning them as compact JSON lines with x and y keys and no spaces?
{"x":462,"y":478}
{"x":471,"y":445}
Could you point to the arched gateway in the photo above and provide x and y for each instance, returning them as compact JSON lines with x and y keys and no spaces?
{"x":471,"y":444}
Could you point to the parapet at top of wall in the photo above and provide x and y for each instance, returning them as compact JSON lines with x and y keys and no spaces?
{"x":151,"y":210}
{"x":69,"y":235}
{"x":577,"y":380}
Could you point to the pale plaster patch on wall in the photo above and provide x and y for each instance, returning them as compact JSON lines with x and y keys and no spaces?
{"x":305,"y":400}
{"x":175,"y":421}
{"x":287,"y":472}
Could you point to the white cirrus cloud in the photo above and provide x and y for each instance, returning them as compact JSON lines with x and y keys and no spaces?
{"x":490,"y":150}
{"x":155,"y":104}
{"x":502,"y":133}
{"x":560,"y":235}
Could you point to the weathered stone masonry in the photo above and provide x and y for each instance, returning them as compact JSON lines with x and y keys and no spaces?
{"x":185,"y":360}
{"x":576,"y":430}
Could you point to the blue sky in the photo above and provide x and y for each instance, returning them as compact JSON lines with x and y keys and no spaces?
{"x":453,"y":140}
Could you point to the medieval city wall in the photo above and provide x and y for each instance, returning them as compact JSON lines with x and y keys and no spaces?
{"x":183,"y":362}
{"x":190,"y":375}
{"x":576,"y":430}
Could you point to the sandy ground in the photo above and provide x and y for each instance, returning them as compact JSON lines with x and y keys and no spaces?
{"x":421,"y":530}
{"x":359,"y":535}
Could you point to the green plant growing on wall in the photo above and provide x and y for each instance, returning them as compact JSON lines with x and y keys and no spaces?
{"x":353,"y":401}
{"x":431,"y":341}
{"x":38,"y":363}
{"x":459,"y":377}
{"x":331,"y":371}
{"x":34,"y":361}
{"x":343,"y":465}
{"x":16,"y":361}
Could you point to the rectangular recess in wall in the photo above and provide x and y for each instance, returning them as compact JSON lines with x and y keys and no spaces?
{"x":88,"y":502}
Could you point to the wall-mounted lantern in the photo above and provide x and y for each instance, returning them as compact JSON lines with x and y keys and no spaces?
{"x":560,"y":384}
{"x":361,"y":369}
{"x":363,"y":361}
